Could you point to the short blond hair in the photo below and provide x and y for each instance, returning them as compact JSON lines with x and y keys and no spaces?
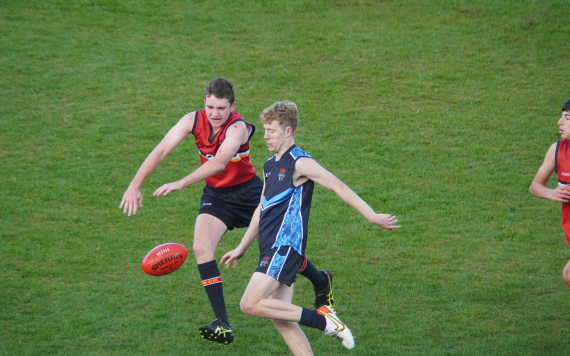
{"x":284,"y":112}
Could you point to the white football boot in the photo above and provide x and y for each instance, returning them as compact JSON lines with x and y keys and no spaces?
{"x":336,"y":328}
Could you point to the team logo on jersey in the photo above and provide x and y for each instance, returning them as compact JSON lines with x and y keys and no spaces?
{"x":264,"y":262}
{"x":239,"y":155}
{"x":207,"y":156}
{"x":281,"y":174}
{"x":566,"y":174}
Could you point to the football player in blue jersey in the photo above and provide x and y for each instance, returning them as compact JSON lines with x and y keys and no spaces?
{"x":280,"y":223}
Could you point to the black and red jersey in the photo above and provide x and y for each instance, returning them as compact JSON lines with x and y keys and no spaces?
{"x":239,"y":169}
{"x":563,"y":171}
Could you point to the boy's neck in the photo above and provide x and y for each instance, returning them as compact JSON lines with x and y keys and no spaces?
{"x":280,"y":153}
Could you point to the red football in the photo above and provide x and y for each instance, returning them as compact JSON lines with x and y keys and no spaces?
{"x":164,"y":259}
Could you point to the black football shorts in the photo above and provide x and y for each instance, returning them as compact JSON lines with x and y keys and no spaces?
{"x":234,"y":205}
{"x":281,"y":263}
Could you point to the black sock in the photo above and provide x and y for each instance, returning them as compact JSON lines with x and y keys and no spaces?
{"x":319,"y":279}
{"x":313,"y":319}
{"x":212,"y":282}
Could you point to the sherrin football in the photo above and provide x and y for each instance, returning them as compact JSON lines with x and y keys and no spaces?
{"x":164,"y":259}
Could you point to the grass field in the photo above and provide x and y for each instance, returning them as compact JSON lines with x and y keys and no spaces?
{"x":437,"y":111}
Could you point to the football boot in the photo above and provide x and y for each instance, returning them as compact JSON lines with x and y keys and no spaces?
{"x":217,"y":331}
{"x":325,"y":296}
{"x":336,"y":328}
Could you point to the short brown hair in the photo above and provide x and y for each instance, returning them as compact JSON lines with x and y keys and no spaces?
{"x":221,"y":88}
{"x":284,"y":112}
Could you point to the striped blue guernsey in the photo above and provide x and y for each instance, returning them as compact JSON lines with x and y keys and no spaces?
{"x":284,"y":208}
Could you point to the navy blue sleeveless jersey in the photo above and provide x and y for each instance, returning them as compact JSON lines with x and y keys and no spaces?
{"x":284,"y":218}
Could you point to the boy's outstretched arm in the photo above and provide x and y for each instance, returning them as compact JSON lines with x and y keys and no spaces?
{"x":132,"y":197}
{"x":236,"y":134}
{"x":251,"y":234}
{"x":538,"y":186}
{"x":307,"y":168}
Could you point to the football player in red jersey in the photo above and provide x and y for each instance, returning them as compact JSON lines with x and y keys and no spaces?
{"x":229,"y":198}
{"x":558,"y":159}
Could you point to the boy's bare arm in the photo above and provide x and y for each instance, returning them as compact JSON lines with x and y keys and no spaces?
{"x":132,"y":197}
{"x":235,"y":136}
{"x":251,"y":235}
{"x":538,"y":186}
{"x":306,"y":168}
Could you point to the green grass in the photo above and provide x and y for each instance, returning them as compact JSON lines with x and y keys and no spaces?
{"x":437,"y":111}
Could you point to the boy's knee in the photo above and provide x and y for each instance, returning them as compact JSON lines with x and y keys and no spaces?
{"x":247,"y":307}
{"x":201,"y":250}
{"x":197,"y":248}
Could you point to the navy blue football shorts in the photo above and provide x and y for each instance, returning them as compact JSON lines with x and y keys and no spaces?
{"x":234,"y":205}
{"x":281,"y":263}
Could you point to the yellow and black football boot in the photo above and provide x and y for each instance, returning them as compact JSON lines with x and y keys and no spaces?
{"x":325,"y":296}
{"x":217,"y":331}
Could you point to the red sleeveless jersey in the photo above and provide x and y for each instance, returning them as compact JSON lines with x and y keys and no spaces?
{"x":563,"y":171}
{"x":239,"y":169}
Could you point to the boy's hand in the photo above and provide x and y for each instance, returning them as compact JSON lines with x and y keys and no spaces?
{"x":234,"y":256}
{"x":561,"y":194}
{"x":132,"y":199}
{"x":386,"y":221}
{"x":167,"y":188}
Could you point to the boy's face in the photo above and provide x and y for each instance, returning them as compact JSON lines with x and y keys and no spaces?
{"x":218,"y":111}
{"x":564,"y":125}
{"x":275,"y":136}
